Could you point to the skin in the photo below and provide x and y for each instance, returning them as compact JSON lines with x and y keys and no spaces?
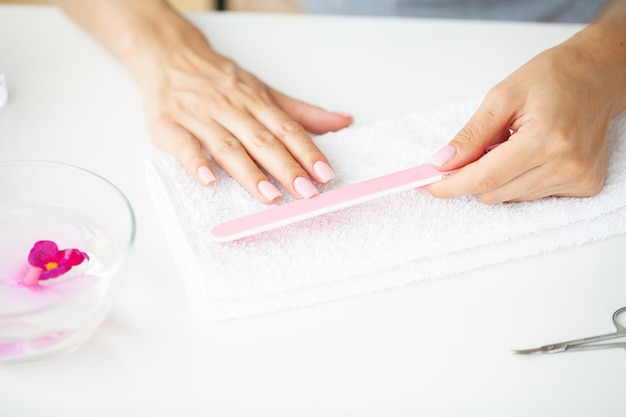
{"x":552,"y":114}
{"x":555,"y":112}
{"x":198,"y":102}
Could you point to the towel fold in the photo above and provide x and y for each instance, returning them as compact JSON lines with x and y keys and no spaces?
{"x":386,"y":243}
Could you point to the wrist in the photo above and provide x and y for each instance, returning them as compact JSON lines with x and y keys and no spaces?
{"x":602,"y":49}
{"x":158,"y":37}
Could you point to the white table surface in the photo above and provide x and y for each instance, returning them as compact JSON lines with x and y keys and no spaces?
{"x":440,"y":348}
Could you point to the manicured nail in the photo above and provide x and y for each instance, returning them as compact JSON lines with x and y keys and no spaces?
{"x":443,"y":155}
{"x":269,"y":190}
{"x":205,"y":175}
{"x":304,"y":187}
{"x":323,"y":171}
{"x":342,"y":113}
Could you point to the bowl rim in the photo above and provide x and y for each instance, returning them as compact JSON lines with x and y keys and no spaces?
{"x":125,"y":247}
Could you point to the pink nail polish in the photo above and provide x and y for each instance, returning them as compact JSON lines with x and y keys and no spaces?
{"x":205,"y":175}
{"x":304,"y":187}
{"x":342,"y":113}
{"x":269,"y":190}
{"x":323,"y":171}
{"x":443,"y":155}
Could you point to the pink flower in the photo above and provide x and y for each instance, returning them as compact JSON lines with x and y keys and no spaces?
{"x":47,"y":261}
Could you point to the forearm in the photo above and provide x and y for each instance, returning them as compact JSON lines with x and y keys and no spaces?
{"x":136,"y":32}
{"x":612,"y":9}
{"x":598,"y":53}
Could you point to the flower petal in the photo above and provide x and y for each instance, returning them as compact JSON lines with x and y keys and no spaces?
{"x":42,"y":252}
{"x":75,"y":257}
{"x":53,"y":262}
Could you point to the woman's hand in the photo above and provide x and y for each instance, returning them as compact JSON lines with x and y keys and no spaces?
{"x":555,"y":112}
{"x":199,"y":103}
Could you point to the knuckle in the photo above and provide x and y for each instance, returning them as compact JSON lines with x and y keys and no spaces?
{"x":581,"y":175}
{"x":574,"y":167}
{"x":229,"y":68}
{"x":596,"y":187}
{"x":289,"y":128}
{"x":208,"y":103}
{"x":179,"y":142}
{"x":499,"y":95}
{"x":243,"y":85}
{"x":480,"y":125}
{"x":590,"y":183}
{"x":227,"y":74}
{"x":163,"y":118}
{"x":227,"y":147}
{"x":176,"y":144}
{"x":486,"y":182}
{"x":258,"y":95}
{"x":263,"y":139}
{"x":285,"y":172}
{"x":162,"y":121}
{"x":560,"y":141}
{"x":218,"y":101}
{"x":468,"y":133}
{"x":294,"y":169}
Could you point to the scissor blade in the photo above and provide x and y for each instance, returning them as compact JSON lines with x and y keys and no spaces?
{"x":554,"y":348}
{"x":589,"y":343}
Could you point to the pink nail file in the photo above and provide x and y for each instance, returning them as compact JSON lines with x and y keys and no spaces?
{"x":326,"y":202}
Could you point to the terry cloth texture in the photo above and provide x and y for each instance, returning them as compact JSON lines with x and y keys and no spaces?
{"x":386,"y":243}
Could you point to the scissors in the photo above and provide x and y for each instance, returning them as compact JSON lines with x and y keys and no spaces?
{"x":589,"y":343}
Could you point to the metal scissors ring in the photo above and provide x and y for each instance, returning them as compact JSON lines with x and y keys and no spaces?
{"x":589,"y":343}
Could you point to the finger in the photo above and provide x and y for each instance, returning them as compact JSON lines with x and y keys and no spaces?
{"x":297,"y":142}
{"x":578,"y":189}
{"x":528,"y":186}
{"x":488,"y":124}
{"x":508,"y":161}
{"x":233,"y":158}
{"x":563,"y":175}
{"x":269,"y":152}
{"x":186,"y":148}
{"x":314,"y":119}
{"x":537,"y":195}
{"x":534,"y":184}
{"x":557,"y":190}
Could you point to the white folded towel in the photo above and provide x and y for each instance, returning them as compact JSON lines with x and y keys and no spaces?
{"x":400,"y":239}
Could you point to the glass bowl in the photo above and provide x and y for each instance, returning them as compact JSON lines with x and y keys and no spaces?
{"x":65,"y":236}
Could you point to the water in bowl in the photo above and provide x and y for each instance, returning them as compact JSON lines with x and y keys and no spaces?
{"x":59,"y":314}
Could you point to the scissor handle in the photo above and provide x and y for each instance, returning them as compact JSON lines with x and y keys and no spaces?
{"x":620,"y":313}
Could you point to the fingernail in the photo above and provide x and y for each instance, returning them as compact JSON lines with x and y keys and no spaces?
{"x":443,"y":155}
{"x":323,"y":171}
{"x":205,"y":175}
{"x":304,"y":187}
{"x":342,"y":113}
{"x":269,"y":190}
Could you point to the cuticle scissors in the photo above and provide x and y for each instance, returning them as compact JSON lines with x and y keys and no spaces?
{"x":588,"y":343}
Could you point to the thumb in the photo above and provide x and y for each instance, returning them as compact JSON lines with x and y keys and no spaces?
{"x":489,"y":125}
{"x":314,"y":119}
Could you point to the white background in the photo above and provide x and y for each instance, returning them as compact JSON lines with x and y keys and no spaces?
{"x":440,"y":348}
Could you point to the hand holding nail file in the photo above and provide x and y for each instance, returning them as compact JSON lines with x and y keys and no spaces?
{"x":328,"y":202}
